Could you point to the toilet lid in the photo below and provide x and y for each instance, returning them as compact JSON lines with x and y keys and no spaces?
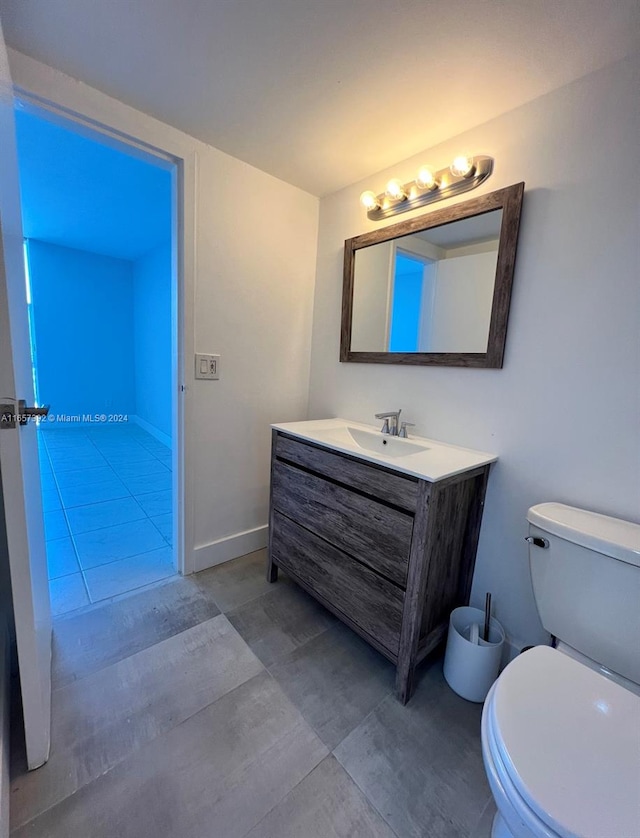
{"x":570,"y":741}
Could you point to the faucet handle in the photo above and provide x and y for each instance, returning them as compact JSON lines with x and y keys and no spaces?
{"x":393,"y":416}
{"x":403,"y":429}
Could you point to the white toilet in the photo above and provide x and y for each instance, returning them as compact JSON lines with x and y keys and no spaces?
{"x":561,"y":726}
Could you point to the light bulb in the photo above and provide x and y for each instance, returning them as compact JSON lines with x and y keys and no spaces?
{"x":369,"y":200}
{"x":426,"y":179}
{"x":395,"y":190}
{"x":463,"y":166}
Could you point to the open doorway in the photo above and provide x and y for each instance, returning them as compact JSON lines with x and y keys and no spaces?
{"x":97,"y":219}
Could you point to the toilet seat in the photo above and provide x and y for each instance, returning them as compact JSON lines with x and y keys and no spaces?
{"x":563,"y":744}
{"x":521,"y":819}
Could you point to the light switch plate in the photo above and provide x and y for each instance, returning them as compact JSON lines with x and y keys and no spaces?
{"x":207,"y":366}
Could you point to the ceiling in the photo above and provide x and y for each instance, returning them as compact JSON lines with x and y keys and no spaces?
{"x":322,"y":93}
{"x":77,"y":192}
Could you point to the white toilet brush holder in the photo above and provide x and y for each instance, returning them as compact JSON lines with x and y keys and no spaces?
{"x":470,"y":668}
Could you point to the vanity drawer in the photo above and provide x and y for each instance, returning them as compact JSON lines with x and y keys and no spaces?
{"x":393,"y":488}
{"x":371,"y":532}
{"x":368,"y":600}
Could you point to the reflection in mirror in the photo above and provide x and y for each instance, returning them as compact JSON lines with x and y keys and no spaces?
{"x":431,"y":291}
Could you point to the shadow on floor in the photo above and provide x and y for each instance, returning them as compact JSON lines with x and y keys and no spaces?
{"x":220,"y":705}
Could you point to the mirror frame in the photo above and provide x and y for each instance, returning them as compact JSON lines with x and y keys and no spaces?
{"x":509,"y":200}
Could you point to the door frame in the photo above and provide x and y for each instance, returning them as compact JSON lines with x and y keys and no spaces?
{"x":181,"y":161}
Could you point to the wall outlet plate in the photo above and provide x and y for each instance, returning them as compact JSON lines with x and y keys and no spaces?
{"x":207,"y":366}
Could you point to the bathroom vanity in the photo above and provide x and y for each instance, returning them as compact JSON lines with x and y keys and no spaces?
{"x":382,"y":531}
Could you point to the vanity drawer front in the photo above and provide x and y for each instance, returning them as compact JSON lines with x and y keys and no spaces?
{"x":371,"y":532}
{"x":365,"y":598}
{"x":401,"y":491}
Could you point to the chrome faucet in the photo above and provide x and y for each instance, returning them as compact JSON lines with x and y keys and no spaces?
{"x":391,"y":420}
{"x":403,"y":430}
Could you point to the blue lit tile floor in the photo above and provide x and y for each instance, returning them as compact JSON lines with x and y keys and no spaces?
{"x":107,"y":512}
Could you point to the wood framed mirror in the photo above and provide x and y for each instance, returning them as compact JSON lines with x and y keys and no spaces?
{"x":434,"y":289}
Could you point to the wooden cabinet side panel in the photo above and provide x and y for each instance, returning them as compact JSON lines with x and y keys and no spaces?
{"x":272,"y":567}
{"x":454,"y":537}
{"x":417,"y":575}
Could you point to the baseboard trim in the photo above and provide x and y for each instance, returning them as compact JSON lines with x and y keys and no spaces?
{"x":512,"y":648}
{"x":165,"y":439}
{"x":225,"y":549}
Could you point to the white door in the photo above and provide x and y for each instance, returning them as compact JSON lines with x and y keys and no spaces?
{"x":19,"y":468}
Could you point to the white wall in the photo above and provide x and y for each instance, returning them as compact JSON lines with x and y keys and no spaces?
{"x":563,"y":412}
{"x":152,"y":329}
{"x":249,"y":271}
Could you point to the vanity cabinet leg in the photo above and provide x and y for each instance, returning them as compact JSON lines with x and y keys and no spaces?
{"x":272,"y":571}
{"x":404,"y":681}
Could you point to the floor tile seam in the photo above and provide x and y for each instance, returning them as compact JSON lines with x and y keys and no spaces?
{"x":130,"y":590}
{"x":74,"y":545}
{"x":136,"y":749}
{"x":295,"y":785}
{"x":132,"y":556}
{"x":75,"y":551}
{"x":94,"y":606}
{"x":46,"y":452}
{"x":299,"y":712}
{"x":371,"y":802}
{"x":63,"y":575}
{"x":73,"y":535}
{"x":283,"y":657}
{"x":124,"y":559}
{"x":83,"y":505}
{"x":152,"y":491}
{"x":106,"y":527}
{"x":153,"y":452}
{"x":82,"y":457}
{"x":236,"y":605}
{"x":295,"y":651}
{"x":363,"y":720}
{"x":53,"y":475}
{"x":64,"y":511}
{"x":89,"y":468}
{"x":82,"y":569}
{"x":56,"y":689}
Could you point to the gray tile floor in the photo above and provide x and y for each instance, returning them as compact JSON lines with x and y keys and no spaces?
{"x":106,"y":494}
{"x":218,"y":706}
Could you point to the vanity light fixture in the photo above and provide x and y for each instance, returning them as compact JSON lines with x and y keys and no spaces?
{"x":425,"y":179}
{"x":395,"y":190}
{"x":462,"y":166}
{"x":463,"y":174}
{"x":369,"y":201}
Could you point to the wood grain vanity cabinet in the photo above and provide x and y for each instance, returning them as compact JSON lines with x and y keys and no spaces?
{"x":389,"y":554}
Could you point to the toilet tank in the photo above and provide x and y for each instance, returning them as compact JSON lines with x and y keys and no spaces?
{"x":585,"y":570}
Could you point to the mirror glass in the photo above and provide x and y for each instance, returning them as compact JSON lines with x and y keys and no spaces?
{"x":431,"y":291}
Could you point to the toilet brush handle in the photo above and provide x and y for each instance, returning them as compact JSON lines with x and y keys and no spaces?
{"x":487,"y":617}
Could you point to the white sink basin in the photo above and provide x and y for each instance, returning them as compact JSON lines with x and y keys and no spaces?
{"x":389,"y":446}
{"x":426,"y":459}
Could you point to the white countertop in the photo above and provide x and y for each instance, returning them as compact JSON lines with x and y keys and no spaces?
{"x":427,"y":459}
